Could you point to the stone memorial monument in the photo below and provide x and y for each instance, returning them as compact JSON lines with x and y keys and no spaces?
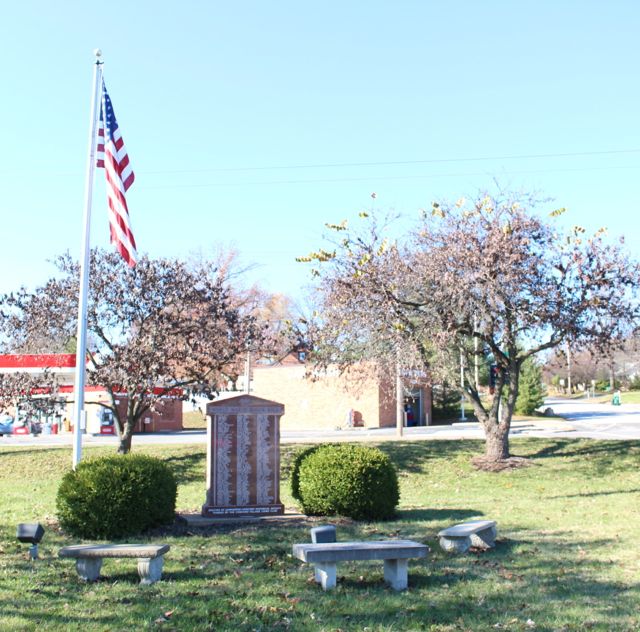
{"x":243,"y":457}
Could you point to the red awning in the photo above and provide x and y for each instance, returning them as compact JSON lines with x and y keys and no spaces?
{"x":38,"y":361}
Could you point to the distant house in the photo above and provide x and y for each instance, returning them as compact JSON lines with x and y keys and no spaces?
{"x":99,"y":421}
{"x":331,"y":399}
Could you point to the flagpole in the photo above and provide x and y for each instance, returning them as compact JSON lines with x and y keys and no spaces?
{"x":79,"y":418}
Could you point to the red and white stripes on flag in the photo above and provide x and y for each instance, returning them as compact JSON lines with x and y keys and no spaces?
{"x":112,"y":156}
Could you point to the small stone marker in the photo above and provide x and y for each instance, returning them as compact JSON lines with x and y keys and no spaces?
{"x":323,"y":534}
{"x":459,"y":538}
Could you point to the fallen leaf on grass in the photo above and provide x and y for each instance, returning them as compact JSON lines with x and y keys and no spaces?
{"x":164,"y":618}
{"x":290,"y":599}
{"x":478,"y":550}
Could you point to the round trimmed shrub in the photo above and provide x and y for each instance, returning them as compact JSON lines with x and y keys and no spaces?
{"x":116,"y":496}
{"x":295,"y":470}
{"x":348,"y":480}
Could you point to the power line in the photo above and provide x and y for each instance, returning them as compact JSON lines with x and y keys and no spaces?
{"x":342,"y":165}
{"x":333,"y":165}
{"x":376,"y":178}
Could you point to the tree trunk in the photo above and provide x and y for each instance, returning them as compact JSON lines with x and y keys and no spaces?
{"x":496,"y":442}
{"x":125,"y":439}
{"x":127,"y":432}
{"x":497,"y":433}
{"x":133,"y":415}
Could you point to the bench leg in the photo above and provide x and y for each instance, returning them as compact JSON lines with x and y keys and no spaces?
{"x":396,"y":573}
{"x":150,"y":569}
{"x":455,"y":545}
{"x":89,"y":568}
{"x":485,"y":539}
{"x":326,"y":575}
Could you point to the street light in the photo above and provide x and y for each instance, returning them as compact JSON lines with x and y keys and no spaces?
{"x":30,"y":533}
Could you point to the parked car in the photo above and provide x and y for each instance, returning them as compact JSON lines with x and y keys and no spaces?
{"x":6,"y":425}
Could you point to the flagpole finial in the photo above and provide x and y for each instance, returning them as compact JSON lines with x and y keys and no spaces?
{"x":98,"y":53}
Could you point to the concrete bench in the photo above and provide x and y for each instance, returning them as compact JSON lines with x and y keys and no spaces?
{"x":395,"y":554}
{"x":459,"y":538}
{"x":89,"y":558}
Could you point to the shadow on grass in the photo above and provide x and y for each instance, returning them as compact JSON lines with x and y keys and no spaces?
{"x":600,"y":457}
{"x":437,"y":515}
{"x":413,"y":456}
{"x":188,"y":467}
{"x":586,"y":416}
{"x":594,"y":494}
{"x":569,"y":447}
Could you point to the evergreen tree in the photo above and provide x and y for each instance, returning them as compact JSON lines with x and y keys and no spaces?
{"x":445,"y":400}
{"x":531,"y":392}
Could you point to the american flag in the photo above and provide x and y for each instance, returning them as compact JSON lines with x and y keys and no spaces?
{"x":112,"y":157}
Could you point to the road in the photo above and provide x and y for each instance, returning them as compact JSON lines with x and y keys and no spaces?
{"x":580,"y":419}
{"x":598,"y":421}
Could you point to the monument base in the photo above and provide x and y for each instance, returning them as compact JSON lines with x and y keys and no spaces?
{"x":198,"y":521}
{"x":254,"y":511}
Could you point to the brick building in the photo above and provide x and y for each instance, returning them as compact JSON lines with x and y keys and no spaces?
{"x":358,"y":397}
{"x":167,"y":417}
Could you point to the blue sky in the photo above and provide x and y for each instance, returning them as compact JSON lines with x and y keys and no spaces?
{"x":251,"y":124}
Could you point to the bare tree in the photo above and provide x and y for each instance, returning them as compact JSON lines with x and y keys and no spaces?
{"x":274,"y":313}
{"x":489,"y":269}
{"x":32,"y":395}
{"x":158,"y":327}
{"x":586,"y":366}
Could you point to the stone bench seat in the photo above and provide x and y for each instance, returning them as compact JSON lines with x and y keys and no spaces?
{"x":89,"y":558}
{"x":478,"y":533}
{"x":395,"y":554}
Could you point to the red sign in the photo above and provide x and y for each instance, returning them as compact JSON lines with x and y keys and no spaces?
{"x":38,"y":361}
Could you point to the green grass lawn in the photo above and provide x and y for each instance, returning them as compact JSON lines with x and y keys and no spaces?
{"x":194,"y":420}
{"x":566,"y":557}
{"x":626,"y":397}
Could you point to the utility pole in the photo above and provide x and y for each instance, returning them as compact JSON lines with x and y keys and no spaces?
{"x":569,"y":386}
{"x":612,"y":374}
{"x":399,"y":401}
{"x":247,"y":374}
{"x":475,"y":354}
{"x":462,"y":417}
